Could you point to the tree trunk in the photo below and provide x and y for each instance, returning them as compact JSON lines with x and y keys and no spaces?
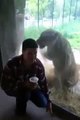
{"x":63,"y":12}
{"x":70,"y":10}
{"x":38,"y":13}
{"x":75,"y":16}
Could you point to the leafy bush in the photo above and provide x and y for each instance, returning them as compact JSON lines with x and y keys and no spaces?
{"x":71,"y":31}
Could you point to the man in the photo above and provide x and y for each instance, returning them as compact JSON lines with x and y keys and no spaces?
{"x":16,"y":75}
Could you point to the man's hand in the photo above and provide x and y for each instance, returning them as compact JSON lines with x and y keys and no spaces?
{"x":49,"y":108}
{"x":26,"y":85}
{"x":31,"y":86}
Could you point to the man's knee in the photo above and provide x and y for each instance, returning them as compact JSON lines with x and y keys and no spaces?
{"x":39,"y":99}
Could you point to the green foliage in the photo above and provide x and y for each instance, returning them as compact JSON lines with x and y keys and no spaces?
{"x":70,"y":27}
{"x":71,"y":31}
{"x":53,"y":8}
{"x":33,"y":32}
{"x":75,"y":43}
{"x":33,"y":7}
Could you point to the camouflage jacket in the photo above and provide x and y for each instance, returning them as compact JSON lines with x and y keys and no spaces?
{"x":15,"y":71}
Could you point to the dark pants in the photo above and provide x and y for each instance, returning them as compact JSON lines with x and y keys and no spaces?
{"x":36,"y":96}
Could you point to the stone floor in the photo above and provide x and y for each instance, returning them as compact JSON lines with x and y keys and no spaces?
{"x":7,"y":107}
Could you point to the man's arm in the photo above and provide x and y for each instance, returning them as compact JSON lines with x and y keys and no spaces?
{"x":8,"y":80}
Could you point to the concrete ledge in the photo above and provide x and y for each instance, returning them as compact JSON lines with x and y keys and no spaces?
{"x":63,"y":113}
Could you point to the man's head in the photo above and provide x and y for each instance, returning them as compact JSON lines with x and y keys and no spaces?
{"x":29,"y":51}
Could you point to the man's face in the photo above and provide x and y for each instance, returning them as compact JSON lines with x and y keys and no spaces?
{"x":29,"y":55}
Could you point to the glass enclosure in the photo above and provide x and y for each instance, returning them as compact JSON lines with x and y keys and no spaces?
{"x":62,"y":16}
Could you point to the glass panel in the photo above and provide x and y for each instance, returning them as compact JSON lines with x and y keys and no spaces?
{"x":62,"y":58}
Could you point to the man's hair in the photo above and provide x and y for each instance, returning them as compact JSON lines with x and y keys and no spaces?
{"x":29,"y":43}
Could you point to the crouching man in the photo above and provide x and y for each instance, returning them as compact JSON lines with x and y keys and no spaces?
{"x":16,"y":78}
